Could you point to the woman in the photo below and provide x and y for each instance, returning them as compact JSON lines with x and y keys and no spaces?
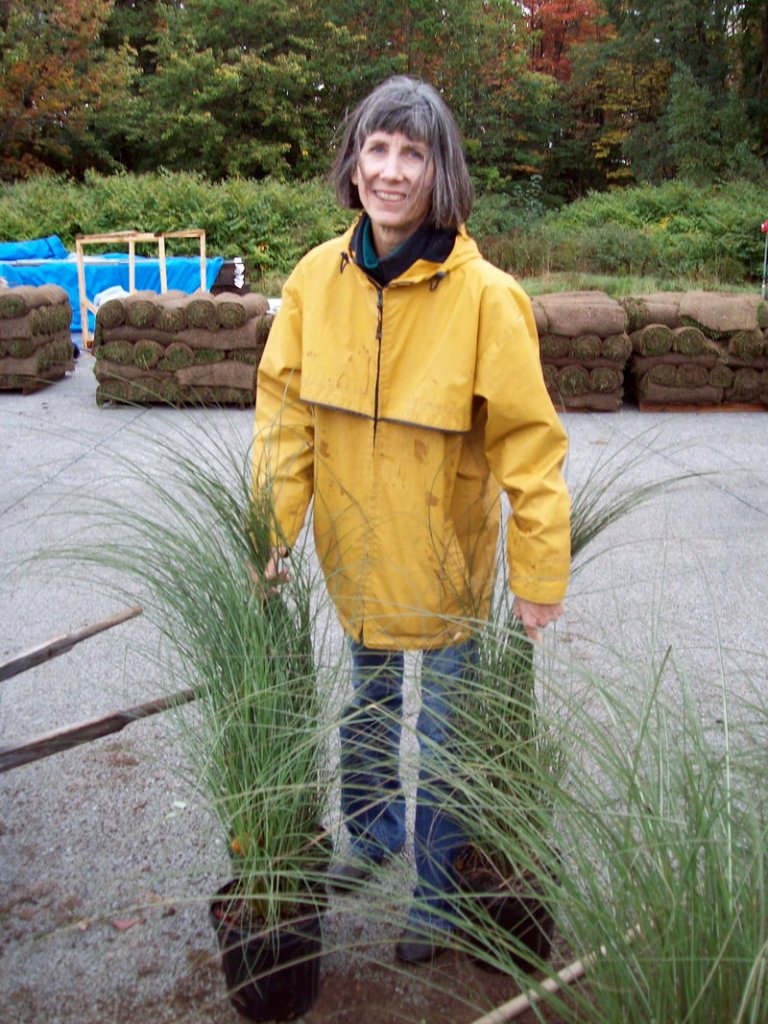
{"x":401,"y":388}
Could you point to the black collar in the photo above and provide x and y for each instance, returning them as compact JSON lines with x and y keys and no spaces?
{"x":426,"y":243}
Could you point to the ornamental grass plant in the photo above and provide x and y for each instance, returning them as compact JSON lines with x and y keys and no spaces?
{"x":612,"y":801}
{"x":510,"y":757}
{"x":639,"y":824}
{"x":256,"y":736}
{"x":665,"y":827}
{"x":641,"y":827}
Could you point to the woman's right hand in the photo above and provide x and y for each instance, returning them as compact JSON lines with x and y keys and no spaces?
{"x":273,"y":573}
{"x":273,"y":576}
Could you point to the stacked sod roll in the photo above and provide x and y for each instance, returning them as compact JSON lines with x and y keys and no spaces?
{"x":35,"y":342}
{"x":698,"y":349}
{"x":180,"y":349}
{"x":584,"y":349}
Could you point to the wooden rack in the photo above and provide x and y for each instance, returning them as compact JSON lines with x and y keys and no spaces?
{"x":130,"y":238}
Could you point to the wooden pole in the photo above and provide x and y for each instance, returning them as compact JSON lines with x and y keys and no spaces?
{"x":74,"y":735}
{"x":62,"y":644}
{"x":81,"y":285}
{"x":517,"y":1006}
{"x":573,"y":972}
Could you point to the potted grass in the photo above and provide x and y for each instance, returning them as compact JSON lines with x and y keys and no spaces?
{"x":265,"y":757}
{"x":256,"y":735}
{"x":511,"y":761}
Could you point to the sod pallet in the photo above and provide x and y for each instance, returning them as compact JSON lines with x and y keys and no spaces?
{"x":35,"y":344}
{"x":180,"y":349}
{"x":711,"y":354}
{"x":584,"y":348}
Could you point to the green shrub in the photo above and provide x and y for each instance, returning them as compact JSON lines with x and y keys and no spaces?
{"x":269,"y":224}
{"x":612,"y":249}
{"x":673,"y":230}
{"x":519,"y":206}
{"x":525,"y":253}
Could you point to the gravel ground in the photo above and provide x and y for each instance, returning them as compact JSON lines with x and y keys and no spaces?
{"x":107,"y":856}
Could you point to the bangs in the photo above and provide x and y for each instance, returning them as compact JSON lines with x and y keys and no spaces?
{"x":414,"y":120}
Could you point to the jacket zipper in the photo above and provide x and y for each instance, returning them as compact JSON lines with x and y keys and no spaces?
{"x":379,"y":331}
{"x":379,"y":325}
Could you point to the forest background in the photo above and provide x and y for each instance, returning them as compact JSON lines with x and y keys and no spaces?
{"x":164,"y":111}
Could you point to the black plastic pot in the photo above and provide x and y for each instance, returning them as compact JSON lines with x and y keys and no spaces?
{"x":516,"y":909}
{"x":272,"y":974}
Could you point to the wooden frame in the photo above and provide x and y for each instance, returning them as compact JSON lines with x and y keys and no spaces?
{"x":130,"y":238}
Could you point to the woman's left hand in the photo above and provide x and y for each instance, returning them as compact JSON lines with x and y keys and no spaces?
{"x":535,"y":617}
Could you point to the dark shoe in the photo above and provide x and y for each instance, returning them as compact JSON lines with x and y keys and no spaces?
{"x":348,"y":875}
{"x":420,"y":945}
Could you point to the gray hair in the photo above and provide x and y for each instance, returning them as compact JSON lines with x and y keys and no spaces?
{"x":416,"y":109}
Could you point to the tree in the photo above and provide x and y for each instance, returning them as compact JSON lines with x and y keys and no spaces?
{"x":556,"y":26}
{"x":570,"y":39}
{"x":751,"y":35}
{"x":707,"y":138}
{"x":665,"y":95}
{"x":586,"y":93}
{"x":476,"y":53}
{"x":260,"y":88}
{"x":56,"y":81}
{"x":239,"y":89}
{"x":505,"y":107}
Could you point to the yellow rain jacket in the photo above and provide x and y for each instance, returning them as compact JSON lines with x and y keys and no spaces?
{"x":404,"y":411}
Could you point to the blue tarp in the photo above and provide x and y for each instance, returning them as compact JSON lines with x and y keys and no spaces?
{"x":101,"y":272}
{"x":48,"y":248}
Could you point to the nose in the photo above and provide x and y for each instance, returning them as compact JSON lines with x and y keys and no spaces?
{"x":392,"y":166}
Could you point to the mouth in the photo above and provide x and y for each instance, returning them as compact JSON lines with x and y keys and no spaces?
{"x":391,"y":197}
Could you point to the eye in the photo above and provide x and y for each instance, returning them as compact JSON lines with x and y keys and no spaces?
{"x":374,"y":145}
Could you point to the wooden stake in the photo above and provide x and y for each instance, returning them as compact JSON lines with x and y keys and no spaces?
{"x":517,"y":1006}
{"x":62,"y":644}
{"x":74,"y":735}
{"x":573,"y":972}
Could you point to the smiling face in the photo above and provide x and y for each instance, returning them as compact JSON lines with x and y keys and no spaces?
{"x":394,"y":177}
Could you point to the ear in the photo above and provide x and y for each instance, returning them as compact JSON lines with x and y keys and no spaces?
{"x":353,"y":175}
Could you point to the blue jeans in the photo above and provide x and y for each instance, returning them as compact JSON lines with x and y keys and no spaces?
{"x":372,"y":798}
